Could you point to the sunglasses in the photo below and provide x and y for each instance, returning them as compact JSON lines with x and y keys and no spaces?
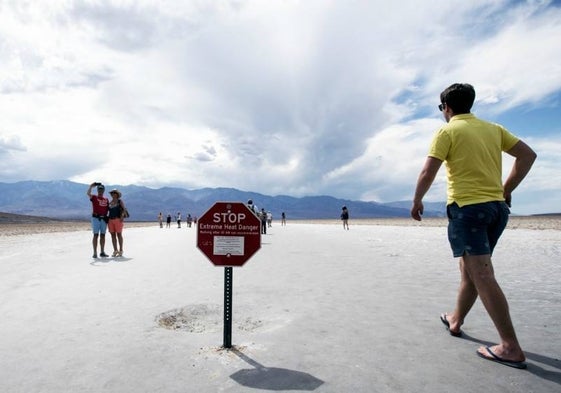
{"x":441,"y":107}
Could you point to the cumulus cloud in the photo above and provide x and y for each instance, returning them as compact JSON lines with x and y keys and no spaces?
{"x":315,"y":97}
{"x":11,"y":142}
{"x":10,"y":145}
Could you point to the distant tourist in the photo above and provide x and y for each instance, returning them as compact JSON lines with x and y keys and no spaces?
{"x":263,"y":218}
{"x":168,"y":221}
{"x":252,"y":207}
{"x":477,"y":208}
{"x":116,"y":221}
{"x":283,"y":218}
{"x":161,"y":220}
{"x":345,"y":217}
{"x":178,"y":219}
{"x":100,"y":207}
{"x":189,"y":220}
{"x":269,"y":219}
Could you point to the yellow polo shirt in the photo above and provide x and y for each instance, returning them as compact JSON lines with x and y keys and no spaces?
{"x":472,"y":150}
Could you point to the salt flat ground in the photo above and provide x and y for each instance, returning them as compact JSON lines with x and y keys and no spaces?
{"x":316,"y":309}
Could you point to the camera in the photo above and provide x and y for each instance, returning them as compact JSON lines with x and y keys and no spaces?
{"x":97,"y":184}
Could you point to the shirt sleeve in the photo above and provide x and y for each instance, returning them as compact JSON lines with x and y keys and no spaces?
{"x":440,"y":145}
{"x":508,"y":139}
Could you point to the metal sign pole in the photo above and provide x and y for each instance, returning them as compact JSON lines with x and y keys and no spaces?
{"x":228,"y":284}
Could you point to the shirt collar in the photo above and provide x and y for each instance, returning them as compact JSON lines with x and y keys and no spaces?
{"x":462,"y":116}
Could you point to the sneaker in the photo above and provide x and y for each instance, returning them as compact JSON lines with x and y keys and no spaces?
{"x":94,"y":256}
{"x":115,"y":254}
{"x":103,"y":255}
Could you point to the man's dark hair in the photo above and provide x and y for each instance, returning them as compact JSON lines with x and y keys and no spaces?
{"x":459,"y":97}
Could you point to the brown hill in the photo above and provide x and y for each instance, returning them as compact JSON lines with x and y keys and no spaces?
{"x":9,"y":218}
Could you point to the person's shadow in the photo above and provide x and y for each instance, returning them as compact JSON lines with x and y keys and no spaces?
{"x":273,"y":378}
{"x":105,"y":261}
{"x":553,"y":376}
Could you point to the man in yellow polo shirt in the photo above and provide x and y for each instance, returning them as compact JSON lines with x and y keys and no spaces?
{"x":478,"y":208}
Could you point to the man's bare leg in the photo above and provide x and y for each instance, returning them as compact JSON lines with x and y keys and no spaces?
{"x":467,"y":295}
{"x":480,"y":270}
{"x":94,"y":243}
{"x":102,"y":243}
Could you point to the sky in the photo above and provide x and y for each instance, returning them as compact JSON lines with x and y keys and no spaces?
{"x":299,"y":98}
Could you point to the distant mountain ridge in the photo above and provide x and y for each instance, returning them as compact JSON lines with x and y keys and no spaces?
{"x":63,"y":199}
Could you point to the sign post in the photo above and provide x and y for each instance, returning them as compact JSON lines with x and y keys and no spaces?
{"x":228,"y":233}
{"x":228,"y":288}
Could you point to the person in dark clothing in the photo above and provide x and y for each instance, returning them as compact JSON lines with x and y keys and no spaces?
{"x":345,"y":217}
{"x":263,"y":218}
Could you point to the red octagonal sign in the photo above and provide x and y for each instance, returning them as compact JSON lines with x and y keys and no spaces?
{"x":229,"y":233}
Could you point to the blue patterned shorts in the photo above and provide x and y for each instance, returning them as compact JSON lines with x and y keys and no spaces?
{"x":99,"y":226}
{"x":475,"y":229}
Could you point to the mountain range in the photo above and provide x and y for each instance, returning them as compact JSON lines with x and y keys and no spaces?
{"x":67,"y":200}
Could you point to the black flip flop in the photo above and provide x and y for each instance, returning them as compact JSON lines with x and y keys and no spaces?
{"x":497,"y":359}
{"x":447,"y":324}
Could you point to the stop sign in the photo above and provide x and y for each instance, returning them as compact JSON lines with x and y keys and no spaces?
{"x":229,"y":233}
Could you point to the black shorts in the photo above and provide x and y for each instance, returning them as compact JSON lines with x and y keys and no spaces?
{"x":475,"y":229}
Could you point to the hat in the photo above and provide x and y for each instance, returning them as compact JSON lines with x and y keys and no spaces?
{"x":115,"y":191}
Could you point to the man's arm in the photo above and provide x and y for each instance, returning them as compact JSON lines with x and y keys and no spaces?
{"x":525,"y":158}
{"x":89,"y":192}
{"x":426,"y":177}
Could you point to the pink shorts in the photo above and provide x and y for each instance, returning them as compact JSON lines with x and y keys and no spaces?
{"x":115,"y":225}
